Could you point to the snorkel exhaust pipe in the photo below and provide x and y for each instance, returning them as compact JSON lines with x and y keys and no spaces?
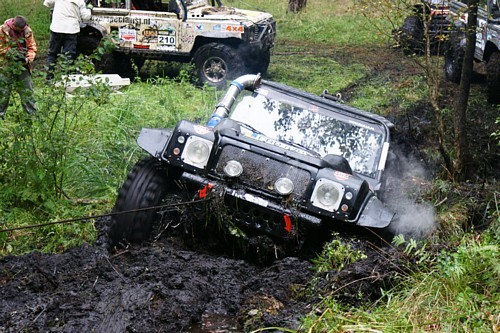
{"x":249,"y":82}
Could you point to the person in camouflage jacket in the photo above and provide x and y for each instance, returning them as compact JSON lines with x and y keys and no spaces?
{"x":17,"y":52}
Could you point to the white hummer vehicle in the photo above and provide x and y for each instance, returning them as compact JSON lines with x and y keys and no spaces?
{"x":222,"y":42}
{"x":487,"y":48}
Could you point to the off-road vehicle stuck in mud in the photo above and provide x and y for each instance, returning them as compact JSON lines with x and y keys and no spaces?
{"x":222,"y":42}
{"x":272,"y":160}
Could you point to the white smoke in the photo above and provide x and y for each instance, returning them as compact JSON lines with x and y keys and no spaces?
{"x":407,"y":178}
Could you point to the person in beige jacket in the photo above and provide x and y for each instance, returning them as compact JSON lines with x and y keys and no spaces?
{"x":17,"y":53}
{"x":64,"y":29}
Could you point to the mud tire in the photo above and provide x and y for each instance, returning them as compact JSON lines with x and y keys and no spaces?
{"x":261,"y":63}
{"x":110,"y":63}
{"x":412,"y":35}
{"x":146,"y":185}
{"x":493,"y":78}
{"x":453,"y":60}
{"x":87,"y":44}
{"x":217,"y":63}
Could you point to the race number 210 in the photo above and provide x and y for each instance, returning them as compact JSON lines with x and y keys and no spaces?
{"x":166,"y":40}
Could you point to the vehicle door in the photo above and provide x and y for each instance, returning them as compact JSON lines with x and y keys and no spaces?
{"x":151,"y":30}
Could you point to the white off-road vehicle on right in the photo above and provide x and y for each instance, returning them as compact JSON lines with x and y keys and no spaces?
{"x":487,"y":44}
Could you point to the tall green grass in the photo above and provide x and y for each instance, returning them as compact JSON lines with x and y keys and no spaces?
{"x":447,"y":292}
{"x":69,"y":159}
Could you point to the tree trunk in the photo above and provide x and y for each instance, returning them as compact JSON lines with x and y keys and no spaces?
{"x":460,"y":114}
{"x":296,"y":6}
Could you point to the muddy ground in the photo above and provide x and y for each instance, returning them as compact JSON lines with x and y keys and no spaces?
{"x":169,"y":285}
{"x":173,"y":285}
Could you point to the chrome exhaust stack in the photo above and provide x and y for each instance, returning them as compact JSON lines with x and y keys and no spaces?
{"x":249,"y":82}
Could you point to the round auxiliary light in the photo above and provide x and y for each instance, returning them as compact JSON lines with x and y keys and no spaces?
{"x":198,"y":151}
{"x":283,"y":186}
{"x":181,"y":139}
{"x":233,"y":168}
{"x":327,"y":194}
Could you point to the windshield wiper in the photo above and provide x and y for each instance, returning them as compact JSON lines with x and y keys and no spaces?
{"x":298,"y":145}
{"x":248,"y":127}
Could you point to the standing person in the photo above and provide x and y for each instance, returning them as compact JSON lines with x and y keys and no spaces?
{"x":64,"y":28}
{"x":17,"y":52}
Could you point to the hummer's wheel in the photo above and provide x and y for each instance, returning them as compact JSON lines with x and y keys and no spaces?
{"x":259,"y":63}
{"x":411,"y":36}
{"x":453,"y":60}
{"x":493,"y":78}
{"x":86,"y":44}
{"x":217,"y":63}
{"x":146,"y":185}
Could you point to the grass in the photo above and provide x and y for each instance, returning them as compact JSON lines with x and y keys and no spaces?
{"x":450,"y":292}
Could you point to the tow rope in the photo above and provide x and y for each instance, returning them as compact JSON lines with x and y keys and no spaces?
{"x":84,"y":219}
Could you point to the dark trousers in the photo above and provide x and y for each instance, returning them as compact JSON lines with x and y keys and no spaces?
{"x":23,"y":84}
{"x":60,"y":44}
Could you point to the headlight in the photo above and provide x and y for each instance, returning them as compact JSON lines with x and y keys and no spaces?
{"x":196,"y":151}
{"x":327,"y":194}
{"x":283,"y":186}
{"x":233,"y":168}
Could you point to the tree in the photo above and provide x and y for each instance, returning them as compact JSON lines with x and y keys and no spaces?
{"x":460,"y":108}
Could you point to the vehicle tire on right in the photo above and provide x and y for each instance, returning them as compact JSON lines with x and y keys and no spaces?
{"x":216,"y":64}
{"x":493,"y":78}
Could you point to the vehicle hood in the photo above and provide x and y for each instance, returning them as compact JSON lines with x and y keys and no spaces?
{"x":236,"y":14}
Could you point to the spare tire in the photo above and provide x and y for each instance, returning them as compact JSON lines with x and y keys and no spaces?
{"x":453,"y":59}
{"x":411,"y":37}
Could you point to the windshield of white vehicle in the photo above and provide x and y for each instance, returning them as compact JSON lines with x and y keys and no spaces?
{"x":190,"y":3}
{"x":286,"y":118}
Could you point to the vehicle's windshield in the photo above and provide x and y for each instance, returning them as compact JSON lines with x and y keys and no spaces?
{"x":196,"y":2}
{"x":285,"y":118}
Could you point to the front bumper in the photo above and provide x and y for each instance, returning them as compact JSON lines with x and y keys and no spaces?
{"x":282,"y":220}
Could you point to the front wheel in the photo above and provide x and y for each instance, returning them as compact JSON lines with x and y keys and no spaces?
{"x":493,"y":78}
{"x":217,"y":63}
{"x":146,"y":186}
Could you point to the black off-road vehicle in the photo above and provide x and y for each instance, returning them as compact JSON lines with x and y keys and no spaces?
{"x":222,"y":42}
{"x":279,"y":161}
{"x":487,"y":47}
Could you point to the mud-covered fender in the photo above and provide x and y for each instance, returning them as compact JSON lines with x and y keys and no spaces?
{"x":375,"y":214}
{"x":103,"y":28}
{"x":154,"y":140}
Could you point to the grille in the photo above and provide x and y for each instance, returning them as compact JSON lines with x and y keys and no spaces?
{"x":261,"y":171}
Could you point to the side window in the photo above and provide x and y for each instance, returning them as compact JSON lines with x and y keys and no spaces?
{"x":152,"y":5}
{"x":109,"y":3}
